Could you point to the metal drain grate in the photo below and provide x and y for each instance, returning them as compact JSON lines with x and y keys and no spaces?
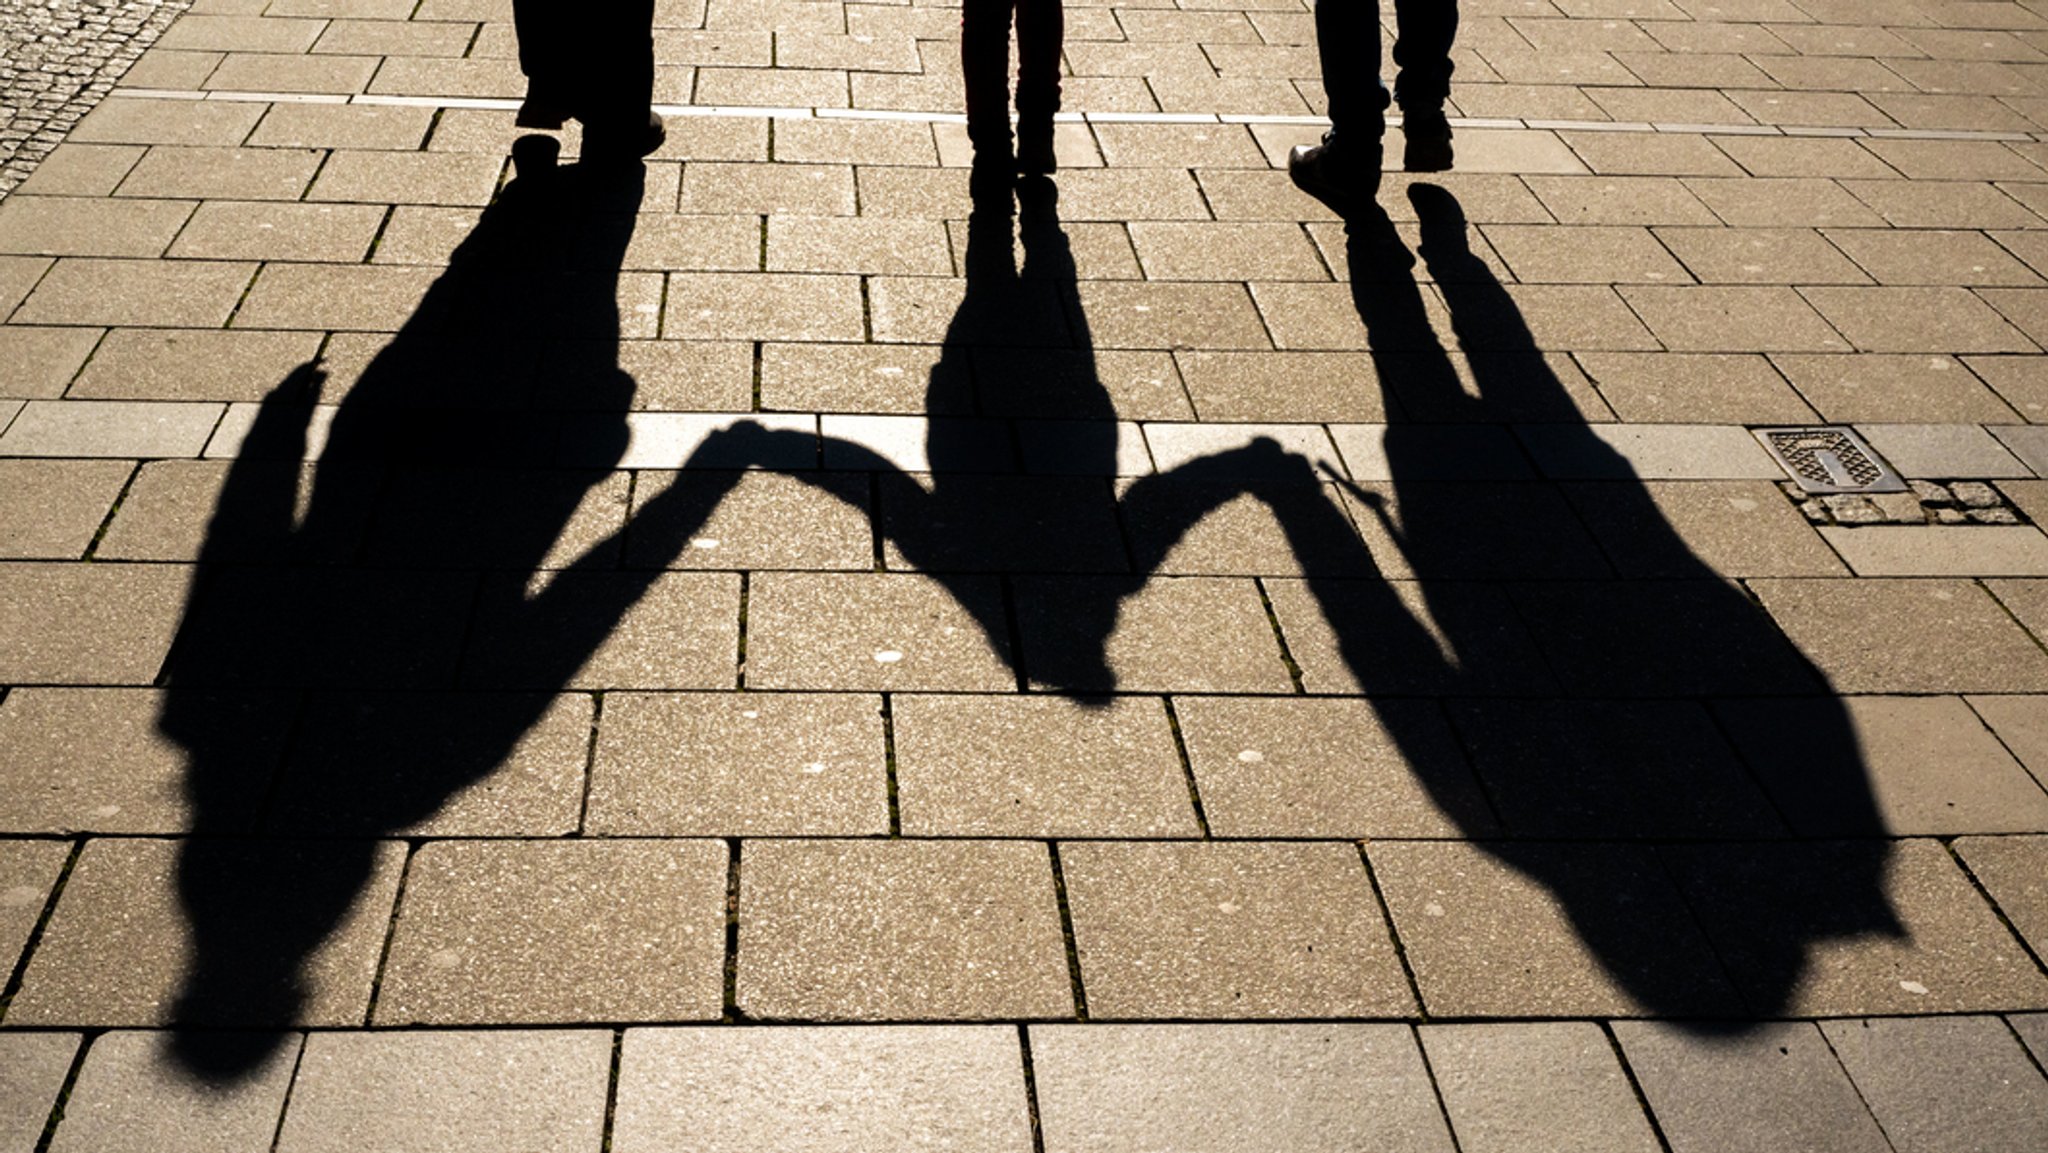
{"x":1829,"y":460}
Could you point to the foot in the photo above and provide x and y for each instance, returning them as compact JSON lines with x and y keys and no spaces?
{"x":606,"y":140}
{"x":1344,"y":180}
{"x":1427,"y":140}
{"x":1034,"y":149}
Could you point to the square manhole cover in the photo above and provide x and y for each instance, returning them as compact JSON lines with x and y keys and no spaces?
{"x":1827,"y":459}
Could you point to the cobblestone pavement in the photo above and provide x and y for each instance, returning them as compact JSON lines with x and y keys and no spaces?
{"x":745,"y":652}
{"x":57,"y":60}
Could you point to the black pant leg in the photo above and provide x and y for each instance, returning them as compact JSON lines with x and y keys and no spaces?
{"x":1348,"y":41}
{"x":1423,"y":33}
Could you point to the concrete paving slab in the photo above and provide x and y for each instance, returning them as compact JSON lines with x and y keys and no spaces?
{"x":1230,"y":930}
{"x":30,"y":870}
{"x":1936,"y":1083}
{"x":755,"y":764}
{"x":1510,"y":1087}
{"x":1775,"y":1087}
{"x":449,"y":1092}
{"x":876,"y":631}
{"x":550,"y":932}
{"x":2012,"y":869}
{"x":110,"y":429}
{"x":1140,"y":642}
{"x":119,"y":948}
{"x":134,"y":1092}
{"x":85,"y":625}
{"x":1942,"y":451}
{"x":900,"y":930}
{"x":1887,"y":635}
{"x":1208,"y":1088}
{"x":53,"y":509}
{"x":985,"y":766}
{"x":40,"y":362}
{"x":1940,"y":551}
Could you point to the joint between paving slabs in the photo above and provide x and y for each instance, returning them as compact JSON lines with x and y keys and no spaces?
{"x":412,"y":846}
{"x":731,"y":975}
{"x":590,"y":763}
{"x":1829,"y":1043}
{"x":107,"y":522}
{"x":1948,"y":846}
{"x":1400,"y":950}
{"x":1635,"y":1086}
{"x":1059,"y":892}
{"x":35,"y":934}
{"x":889,"y":766}
{"x":1280,"y":638}
{"x":746,"y":588}
{"x":56,"y":1117}
{"x":611,"y":1091}
{"x":1187,"y":766}
{"x":2039,"y":643}
{"x":1436,"y":1092}
{"x":1030,"y":1087}
{"x":754,"y":385}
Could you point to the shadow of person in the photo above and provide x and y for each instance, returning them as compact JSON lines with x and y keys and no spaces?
{"x":422,"y":535}
{"x":1595,"y":683}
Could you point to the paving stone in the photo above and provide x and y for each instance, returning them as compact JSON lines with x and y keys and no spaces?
{"x":1546,"y":930}
{"x":1761,"y":256}
{"x":1739,"y":528}
{"x":87,"y":624}
{"x":52,"y":509}
{"x":762,"y":520}
{"x":118,"y":120}
{"x":343,"y":126}
{"x":753,"y":764}
{"x":1175,"y":634}
{"x":2011,"y":870}
{"x":230,"y":230}
{"x":916,"y":444}
{"x":1216,"y":251}
{"x":763,"y":306}
{"x":1942,"y":451}
{"x":900,"y":929}
{"x":236,"y":33}
{"x":1938,"y":204}
{"x":75,"y":226}
{"x":876,"y":631}
{"x":1944,"y":1083}
{"x":1282,"y":386}
{"x":2019,"y":380}
{"x":28,"y":871}
{"x":976,"y":766}
{"x":773,"y":190}
{"x":1783,"y":202}
{"x":673,"y":440}
{"x":604,"y":630}
{"x":1732,"y":319}
{"x":60,"y":428}
{"x":385,"y":177}
{"x":222,"y":173}
{"x":1932,"y":766}
{"x":1414,"y":627}
{"x":1509,"y":1087}
{"x":1932,"y":320}
{"x":1647,"y":451}
{"x":192,"y":364}
{"x":119,"y":948}
{"x":1638,"y":200}
{"x":1775,"y":1087}
{"x":853,"y":244}
{"x":1841,"y":928}
{"x":373,"y":298}
{"x":1912,"y":636}
{"x":1302,"y":450}
{"x":545,"y":932}
{"x":33,"y":1067}
{"x":1208,"y":1088}
{"x":82,"y":170}
{"x":486,"y":765}
{"x":2021,"y":722}
{"x":167,"y":509}
{"x":1006,"y":523}
{"x":1931,"y":257}
{"x":18,"y":275}
{"x":2029,"y":444}
{"x":134,"y":1093}
{"x":1230,"y":930}
{"x":1182,"y":525}
{"x":94,"y":760}
{"x":1155,"y":314}
{"x":449,"y":1092}
{"x":1870,"y":387}
{"x":1549,"y":254}
{"x":1466,"y":452}
{"x":1936,"y":550}
{"x":183,"y":293}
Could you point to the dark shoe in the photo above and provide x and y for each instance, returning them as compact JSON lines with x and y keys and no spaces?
{"x":1034,"y":149}
{"x":1427,"y":140}
{"x":623,"y":141}
{"x":1345,"y":181}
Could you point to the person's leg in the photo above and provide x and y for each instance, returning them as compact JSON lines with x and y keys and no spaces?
{"x":1344,"y":170}
{"x":1424,"y":32}
{"x":985,"y":69}
{"x":1041,"y":35}
{"x":543,"y":42}
{"x":615,"y":79}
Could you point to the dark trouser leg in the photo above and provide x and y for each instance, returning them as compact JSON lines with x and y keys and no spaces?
{"x":1424,"y":30}
{"x":615,"y":69}
{"x":1348,"y":40}
{"x":1041,"y":31}
{"x":985,"y":67}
